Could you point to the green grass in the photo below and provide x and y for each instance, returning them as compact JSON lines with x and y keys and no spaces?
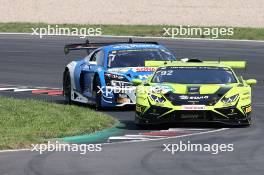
{"x":135,"y":30}
{"x":23,"y":122}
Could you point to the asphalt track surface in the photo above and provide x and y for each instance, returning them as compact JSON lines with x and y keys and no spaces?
{"x":27,"y":60}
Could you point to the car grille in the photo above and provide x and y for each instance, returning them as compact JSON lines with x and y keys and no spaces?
{"x":193,"y":99}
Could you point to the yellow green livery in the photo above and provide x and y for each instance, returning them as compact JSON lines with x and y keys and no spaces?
{"x":194,"y":91}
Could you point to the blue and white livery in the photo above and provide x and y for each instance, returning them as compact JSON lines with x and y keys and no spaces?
{"x":104,"y":77}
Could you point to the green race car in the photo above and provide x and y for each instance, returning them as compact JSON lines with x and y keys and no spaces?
{"x":194,"y":91}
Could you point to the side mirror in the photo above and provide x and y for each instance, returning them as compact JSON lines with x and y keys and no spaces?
{"x":251,"y":82}
{"x":137,"y":82}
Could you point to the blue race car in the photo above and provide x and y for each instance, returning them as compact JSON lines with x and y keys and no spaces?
{"x":104,"y":77}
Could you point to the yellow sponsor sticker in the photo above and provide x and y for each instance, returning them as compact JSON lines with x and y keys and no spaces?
{"x":248,"y":109}
{"x":138,"y":109}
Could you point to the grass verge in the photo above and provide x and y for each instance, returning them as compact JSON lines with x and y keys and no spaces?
{"x":136,"y":30}
{"x":23,"y":122}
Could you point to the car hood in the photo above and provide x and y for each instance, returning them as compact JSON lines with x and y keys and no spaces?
{"x":194,"y":89}
{"x":179,"y":94}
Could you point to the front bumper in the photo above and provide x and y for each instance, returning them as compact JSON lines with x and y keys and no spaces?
{"x":115,"y":96}
{"x":162,"y":115}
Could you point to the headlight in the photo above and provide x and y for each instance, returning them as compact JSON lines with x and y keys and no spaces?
{"x":120,"y":83}
{"x":160,"y":89}
{"x":157,"y":99}
{"x":230,"y":99}
{"x":111,"y":79}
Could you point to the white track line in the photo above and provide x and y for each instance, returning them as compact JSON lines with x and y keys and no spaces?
{"x":124,"y":138}
{"x":7,"y":89}
{"x":187,"y":129}
{"x":132,"y":137}
{"x":141,"y":136}
{"x":13,"y":150}
{"x":24,"y":90}
{"x":35,"y":87}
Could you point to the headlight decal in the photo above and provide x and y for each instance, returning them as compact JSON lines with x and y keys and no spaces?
{"x":120,"y":83}
{"x":230,"y":99}
{"x":156,"y":98}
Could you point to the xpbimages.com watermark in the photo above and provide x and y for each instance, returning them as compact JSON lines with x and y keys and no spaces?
{"x":66,"y":31}
{"x":208,"y":32}
{"x":133,"y":89}
{"x":197,"y":147}
{"x":65,"y":147}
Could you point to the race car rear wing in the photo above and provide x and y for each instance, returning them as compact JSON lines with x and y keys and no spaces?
{"x":232,"y":64}
{"x":92,"y":46}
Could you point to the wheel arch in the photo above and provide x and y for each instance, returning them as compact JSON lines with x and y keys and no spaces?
{"x":63,"y":79}
{"x":71,"y":69}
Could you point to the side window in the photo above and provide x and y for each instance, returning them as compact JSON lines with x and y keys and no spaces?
{"x":98,"y":56}
{"x":93,"y":57}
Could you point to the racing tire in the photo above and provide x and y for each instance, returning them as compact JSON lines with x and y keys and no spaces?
{"x":98,"y":94}
{"x":67,"y":87}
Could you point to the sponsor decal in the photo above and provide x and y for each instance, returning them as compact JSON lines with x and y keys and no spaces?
{"x":114,"y":76}
{"x":193,"y":107}
{"x":193,"y":90}
{"x":132,"y":46}
{"x":145,"y":69}
{"x":119,"y":69}
{"x":232,"y":112}
{"x":134,"y":69}
{"x":185,"y":97}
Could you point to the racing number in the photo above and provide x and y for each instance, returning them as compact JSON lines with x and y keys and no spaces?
{"x":165,"y":72}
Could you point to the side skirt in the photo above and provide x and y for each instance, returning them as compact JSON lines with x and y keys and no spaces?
{"x":78,"y":97}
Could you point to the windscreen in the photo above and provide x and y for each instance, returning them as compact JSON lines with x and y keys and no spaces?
{"x":194,"y":75}
{"x":137,"y":58}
